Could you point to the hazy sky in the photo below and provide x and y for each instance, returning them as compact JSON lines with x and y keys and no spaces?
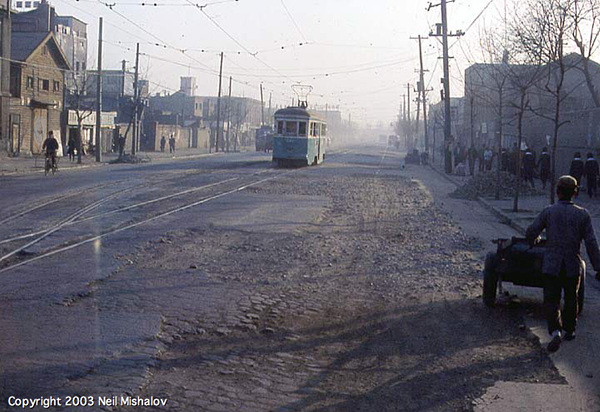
{"x":355,"y":53}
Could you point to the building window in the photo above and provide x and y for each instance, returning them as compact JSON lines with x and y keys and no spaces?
{"x":29,"y":82}
{"x":44,"y":84}
{"x":56,"y":86}
{"x":83,"y":66}
{"x":45,"y":50}
{"x":36,"y":3}
{"x":19,"y":4}
{"x":27,"y":4}
{"x":76,"y":66}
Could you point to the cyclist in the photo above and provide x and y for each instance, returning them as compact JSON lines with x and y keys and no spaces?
{"x":51,"y":147}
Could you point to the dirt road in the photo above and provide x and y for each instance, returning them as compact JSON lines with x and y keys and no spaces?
{"x":373,"y":305}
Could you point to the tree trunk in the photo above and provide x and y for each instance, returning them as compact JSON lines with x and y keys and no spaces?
{"x":78,"y":142}
{"x":554,"y":144}
{"x":590,"y":82}
{"x":499,"y":154}
{"x":520,"y":141}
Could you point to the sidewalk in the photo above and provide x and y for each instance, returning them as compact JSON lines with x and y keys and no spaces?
{"x":578,"y":361}
{"x":35,"y":164}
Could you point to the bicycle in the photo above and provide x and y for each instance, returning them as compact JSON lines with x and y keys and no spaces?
{"x":51,"y":164}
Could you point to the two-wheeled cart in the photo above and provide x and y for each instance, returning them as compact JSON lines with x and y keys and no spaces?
{"x":516,"y":261}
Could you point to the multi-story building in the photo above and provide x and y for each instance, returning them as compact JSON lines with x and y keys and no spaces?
{"x":240,"y":118}
{"x":69,"y":32}
{"x":25,"y":5}
{"x":580,"y":118}
{"x":117,"y":85}
{"x":37,"y":74}
{"x":4,"y":74}
{"x":178,"y":114}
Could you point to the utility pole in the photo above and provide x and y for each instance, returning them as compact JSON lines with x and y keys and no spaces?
{"x":219,"y":105}
{"x":229,"y":112}
{"x":422,"y":91}
{"x":123,"y":70}
{"x":270,"y":113}
{"x":442,"y":31}
{"x":99,"y":96}
{"x":262,"y":107}
{"x":136,"y":98}
{"x":408,"y":122}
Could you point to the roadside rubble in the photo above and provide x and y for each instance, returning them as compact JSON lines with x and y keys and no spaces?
{"x":127,"y":158}
{"x":484,"y":185}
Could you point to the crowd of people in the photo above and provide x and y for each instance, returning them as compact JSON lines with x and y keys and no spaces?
{"x":532,"y":167}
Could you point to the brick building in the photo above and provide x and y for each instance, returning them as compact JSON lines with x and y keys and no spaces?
{"x":37,"y":75}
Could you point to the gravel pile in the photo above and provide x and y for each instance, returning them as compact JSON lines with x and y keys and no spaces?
{"x":484,"y":185}
{"x":127,"y":158}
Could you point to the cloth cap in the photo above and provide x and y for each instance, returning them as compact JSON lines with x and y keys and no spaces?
{"x":567,"y":182}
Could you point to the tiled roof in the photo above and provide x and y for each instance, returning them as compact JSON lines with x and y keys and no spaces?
{"x":22,"y":44}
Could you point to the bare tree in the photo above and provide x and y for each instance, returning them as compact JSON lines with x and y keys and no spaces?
{"x":522,"y":78}
{"x":585,"y":24}
{"x":80,"y":104}
{"x":492,"y":83}
{"x":541,"y":30}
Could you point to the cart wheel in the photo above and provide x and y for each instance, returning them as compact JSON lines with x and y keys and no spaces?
{"x":490,"y":280}
{"x":581,"y":296}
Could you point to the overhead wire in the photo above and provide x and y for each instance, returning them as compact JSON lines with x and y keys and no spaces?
{"x":293,"y":20}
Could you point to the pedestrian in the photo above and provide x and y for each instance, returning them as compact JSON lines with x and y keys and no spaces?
{"x":121,"y":145}
{"x":172,"y":143}
{"x":529,"y":166}
{"x":472,"y":154}
{"x":544,"y":167}
{"x":566,"y":225}
{"x":480,"y":159}
{"x":457,"y":158}
{"x":591,"y":171}
{"x":512,"y":159}
{"x":163,"y":142}
{"x":488,"y":157}
{"x":576,"y":169}
{"x":71,"y":148}
{"x":504,"y":160}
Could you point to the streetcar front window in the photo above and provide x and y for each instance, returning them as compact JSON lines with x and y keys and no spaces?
{"x":302,"y":129}
{"x":291,"y":128}
{"x":323,"y":130}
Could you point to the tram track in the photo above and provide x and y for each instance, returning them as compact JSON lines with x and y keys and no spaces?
{"x":129,"y":207}
{"x":53,"y":200}
{"x":77,"y":217}
{"x":127,"y":224}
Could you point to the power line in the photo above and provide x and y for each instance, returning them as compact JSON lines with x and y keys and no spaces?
{"x":474,"y":21}
{"x":293,"y":20}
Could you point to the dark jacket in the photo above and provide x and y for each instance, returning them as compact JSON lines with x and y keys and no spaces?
{"x":576,"y":169}
{"x":566,"y":226}
{"x":529,"y":162}
{"x":50,"y":144}
{"x":591,"y":169}
{"x":544,"y":162}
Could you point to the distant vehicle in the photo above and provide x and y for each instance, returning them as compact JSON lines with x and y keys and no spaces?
{"x":300,"y":137}
{"x":264,"y":139}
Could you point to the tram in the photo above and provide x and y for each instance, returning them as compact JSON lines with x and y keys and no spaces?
{"x":300,"y":137}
